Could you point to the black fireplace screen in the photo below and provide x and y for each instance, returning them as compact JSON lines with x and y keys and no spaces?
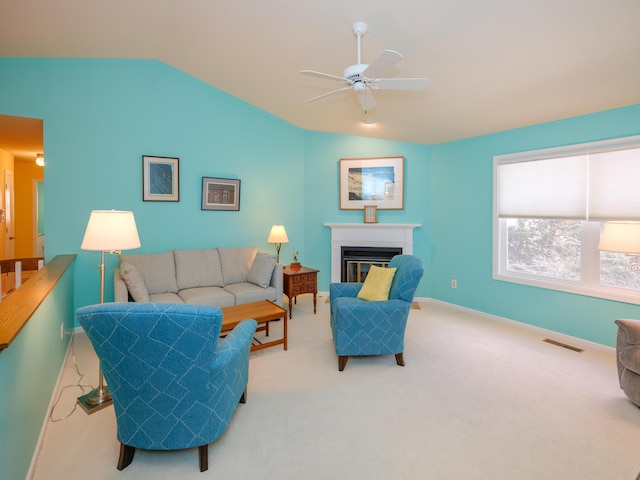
{"x":356,"y":261}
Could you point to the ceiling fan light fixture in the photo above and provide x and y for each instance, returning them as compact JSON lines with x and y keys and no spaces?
{"x":368,"y":121}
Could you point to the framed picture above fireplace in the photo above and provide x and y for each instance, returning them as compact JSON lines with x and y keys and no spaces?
{"x":372,"y":181}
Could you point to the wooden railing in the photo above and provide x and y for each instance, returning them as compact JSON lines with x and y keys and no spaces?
{"x":16,"y":309}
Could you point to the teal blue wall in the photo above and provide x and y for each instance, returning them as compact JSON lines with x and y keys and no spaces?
{"x":28,"y":372}
{"x":102,"y":116}
{"x":462,"y":197}
{"x":322,"y":153}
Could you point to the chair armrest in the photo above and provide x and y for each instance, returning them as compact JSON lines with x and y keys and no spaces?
{"x":346,"y":289}
{"x":628,"y":332}
{"x":120,"y":291}
{"x":237,"y":343}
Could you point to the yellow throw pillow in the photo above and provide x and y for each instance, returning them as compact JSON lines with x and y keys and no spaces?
{"x":377,"y":284}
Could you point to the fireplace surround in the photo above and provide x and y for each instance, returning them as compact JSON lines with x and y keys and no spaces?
{"x":378,"y":235}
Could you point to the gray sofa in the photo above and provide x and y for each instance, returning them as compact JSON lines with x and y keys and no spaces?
{"x":219,"y":277}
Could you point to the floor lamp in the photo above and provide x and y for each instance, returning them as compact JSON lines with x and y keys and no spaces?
{"x":107,"y":231}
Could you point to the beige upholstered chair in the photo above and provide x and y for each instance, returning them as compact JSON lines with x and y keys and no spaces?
{"x":628,"y":358}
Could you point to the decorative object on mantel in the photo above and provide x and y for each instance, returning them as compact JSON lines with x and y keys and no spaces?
{"x":160,"y":179}
{"x":370,"y":214}
{"x":220,"y":194}
{"x":372,"y":181}
{"x":278,"y":236}
{"x":295,"y":264}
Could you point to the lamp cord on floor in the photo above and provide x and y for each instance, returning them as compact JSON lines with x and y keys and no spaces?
{"x":75,"y":385}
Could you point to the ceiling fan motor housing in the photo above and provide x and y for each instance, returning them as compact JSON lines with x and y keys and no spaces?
{"x":353,"y":73}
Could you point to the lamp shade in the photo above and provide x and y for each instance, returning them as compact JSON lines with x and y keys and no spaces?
{"x":110,"y":230}
{"x":623,"y":237}
{"x":278,"y":235}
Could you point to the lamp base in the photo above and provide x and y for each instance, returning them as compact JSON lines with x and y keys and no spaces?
{"x":95,"y":400}
{"x":295,"y":266}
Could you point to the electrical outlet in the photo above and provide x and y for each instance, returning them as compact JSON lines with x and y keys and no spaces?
{"x":62,"y":331}
{"x":454,"y":283}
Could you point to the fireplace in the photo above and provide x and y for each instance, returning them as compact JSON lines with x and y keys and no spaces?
{"x":357,"y":261}
{"x":371,"y":235}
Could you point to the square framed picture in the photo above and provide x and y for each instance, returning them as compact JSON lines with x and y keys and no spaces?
{"x":220,"y":194}
{"x":160,"y":179}
{"x":372,"y":181}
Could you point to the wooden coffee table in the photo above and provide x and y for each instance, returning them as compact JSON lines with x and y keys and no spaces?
{"x":262,"y":312}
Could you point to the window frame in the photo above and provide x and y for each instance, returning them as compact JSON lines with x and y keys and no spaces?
{"x":589,"y":283}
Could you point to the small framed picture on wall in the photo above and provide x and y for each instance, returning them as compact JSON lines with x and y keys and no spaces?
{"x":160,"y":179}
{"x":220,"y":194}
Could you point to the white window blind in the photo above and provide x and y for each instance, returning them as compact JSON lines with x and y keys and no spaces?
{"x":553,"y":188}
{"x":599,"y":181}
{"x":614,"y":185}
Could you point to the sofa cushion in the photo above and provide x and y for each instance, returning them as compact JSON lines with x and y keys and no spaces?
{"x":198,"y":268}
{"x":157,"y":269}
{"x":246,"y":292}
{"x":165,"y":298}
{"x":262,"y":269}
{"x":210,"y":296}
{"x":236,"y":263}
{"x":377,"y":284}
{"x":134,"y":281}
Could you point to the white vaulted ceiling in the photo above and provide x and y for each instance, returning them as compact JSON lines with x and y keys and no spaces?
{"x":493,"y":64}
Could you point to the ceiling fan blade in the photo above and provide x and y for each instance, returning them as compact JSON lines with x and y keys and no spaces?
{"x":365,"y":97}
{"x":327,"y":94}
{"x":324,"y":75}
{"x":400,"y":83}
{"x":386,"y":60}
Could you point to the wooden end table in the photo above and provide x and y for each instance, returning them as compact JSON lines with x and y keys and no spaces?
{"x":297,"y":281}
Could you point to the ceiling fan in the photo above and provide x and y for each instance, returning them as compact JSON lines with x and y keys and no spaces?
{"x":363,"y":78}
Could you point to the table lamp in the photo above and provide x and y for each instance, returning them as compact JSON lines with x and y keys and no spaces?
{"x":621,"y":237}
{"x":278,"y":236}
{"x":107,"y":231}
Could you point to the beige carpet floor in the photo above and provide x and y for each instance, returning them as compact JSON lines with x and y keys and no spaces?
{"x":479,"y":399}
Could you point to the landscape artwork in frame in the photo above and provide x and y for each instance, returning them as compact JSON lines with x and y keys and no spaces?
{"x":160,"y":179}
{"x":220,"y":194}
{"x":372,"y":181}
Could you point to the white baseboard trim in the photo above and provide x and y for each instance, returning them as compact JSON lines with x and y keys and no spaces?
{"x":562,"y":337}
{"x":45,"y":423}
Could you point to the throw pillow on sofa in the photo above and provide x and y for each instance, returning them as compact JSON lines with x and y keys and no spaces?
{"x":134,"y":281}
{"x":262,"y":269}
{"x":157,"y":269}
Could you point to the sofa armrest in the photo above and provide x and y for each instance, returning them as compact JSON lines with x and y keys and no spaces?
{"x":277,"y":282}
{"x":120,"y":291}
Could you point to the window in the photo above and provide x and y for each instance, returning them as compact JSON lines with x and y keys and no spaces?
{"x":549,"y":209}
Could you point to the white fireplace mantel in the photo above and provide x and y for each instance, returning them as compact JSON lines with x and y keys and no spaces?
{"x":368,"y":235}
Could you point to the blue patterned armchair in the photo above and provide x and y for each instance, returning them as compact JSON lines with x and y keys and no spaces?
{"x":175,"y":383}
{"x":362,"y":327}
